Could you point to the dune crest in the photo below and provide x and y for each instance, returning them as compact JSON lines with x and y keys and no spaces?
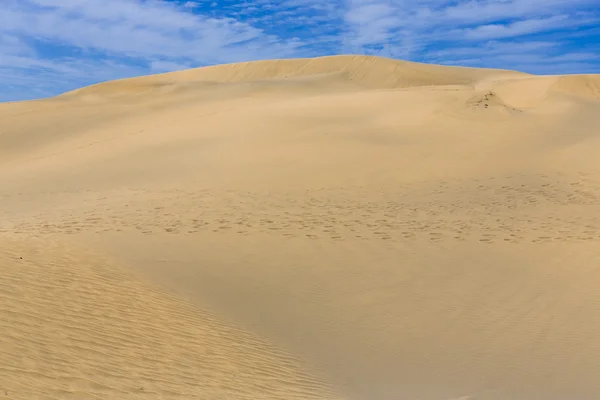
{"x":516,"y":89}
{"x":363,"y":71}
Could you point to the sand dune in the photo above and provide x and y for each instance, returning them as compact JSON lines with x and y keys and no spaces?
{"x":340,"y":227}
{"x":367,"y":72}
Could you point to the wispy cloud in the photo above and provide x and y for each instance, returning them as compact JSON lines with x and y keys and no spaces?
{"x":518,"y":28}
{"x":49,"y":46}
{"x":137,"y":29}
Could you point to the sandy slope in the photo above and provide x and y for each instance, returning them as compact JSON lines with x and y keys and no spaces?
{"x":76,"y":326}
{"x":340,"y":227}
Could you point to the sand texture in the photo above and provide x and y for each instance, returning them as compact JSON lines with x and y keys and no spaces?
{"x":343,"y":227}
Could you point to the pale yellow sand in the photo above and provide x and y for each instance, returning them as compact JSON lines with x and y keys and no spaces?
{"x":340,"y":227}
{"x":75,"y":326}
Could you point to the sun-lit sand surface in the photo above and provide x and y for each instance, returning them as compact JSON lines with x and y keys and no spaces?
{"x":332,"y":228}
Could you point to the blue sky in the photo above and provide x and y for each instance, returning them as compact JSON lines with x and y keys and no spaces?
{"x":51,"y":46}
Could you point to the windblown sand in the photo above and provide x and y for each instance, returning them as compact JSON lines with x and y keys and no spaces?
{"x":332,"y":228}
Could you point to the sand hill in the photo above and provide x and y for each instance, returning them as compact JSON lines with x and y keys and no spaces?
{"x":332,"y":228}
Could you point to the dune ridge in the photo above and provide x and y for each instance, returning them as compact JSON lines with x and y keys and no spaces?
{"x":365,"y":71}
{"x":340,"y":227}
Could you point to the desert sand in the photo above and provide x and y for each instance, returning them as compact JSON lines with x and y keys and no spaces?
{"x":342,"y":227}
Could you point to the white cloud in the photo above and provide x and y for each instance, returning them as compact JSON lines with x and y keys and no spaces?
{"x":13,"y":45}
{"x":191,"y":4}
{"x":518,"y":28}
{"x":484,"y":11}
{"x":370,"y":21}
{"x":136,"y":28}
{"x":423,"y":30}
